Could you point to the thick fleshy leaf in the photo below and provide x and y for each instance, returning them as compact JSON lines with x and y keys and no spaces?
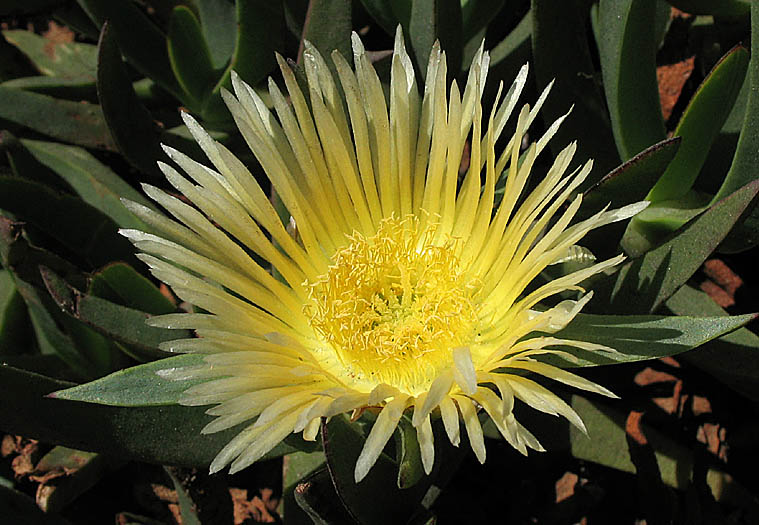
{"x":79,"y":123}
{"x":433,"y":20}
{"x":167,"y":435}
{"x":62,"y":217}
{"x":720,"y":157}
{"x":56,"y":59}
{"x":86,"y":352}
{"x":117,"y":322}
{"x":606,"y":443}
{"x":142,"y":43}
{"x":328,"y":26}
{"x":316,"y":501}
{"x":627,"y":49}
{"x":187,"y":508}
{"x":190,"y":57}
{"x":631,"y":181}
{"x":122,"y":284}
{"x":701,"y":121}
{"x":408,"y":454}
{"x":76,"y":88}
{"x":376,"y":499}
{"x":260,"y":26}
{"x":642,"y":284}
{"x":217,"y":18}
{"x":67,"y":474}
{"x":129,"y":122}
{"x":260,"y":29}
{"x":23,"y":164}
{"x":743,"y":169}
{"x":23,"y":259}
{"x":93,"y":181}
{"x":15,"y":333}
{"x":746,"y":159}
{"x":138,"y":386}
{"x":388,"y":14}
{"x":508,"y":55}
{"x":477,"y":14}
{"x":657,"y":222}
{"x":202,"y":497}
{"x":560,"y":52}
{"x":640,"y":337}
{"x":50,"y":338}
{"x":732,"y":358}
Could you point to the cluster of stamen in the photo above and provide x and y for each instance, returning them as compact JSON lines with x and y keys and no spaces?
{"x":393,"y":303}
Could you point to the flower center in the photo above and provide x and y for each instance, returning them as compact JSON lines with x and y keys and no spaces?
{"x":394,"y":305}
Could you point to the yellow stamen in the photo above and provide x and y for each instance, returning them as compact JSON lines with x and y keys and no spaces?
{"x":393,"y":305}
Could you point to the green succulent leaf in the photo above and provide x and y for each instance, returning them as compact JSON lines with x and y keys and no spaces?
{"x":117,"y":322}
{"x":700,"y":124}
{"x":190,"y":57}
{"x":75,"y":88}
{"x":71,"y":60}
{"x":328,"y":26}
{"x":140,"y":433}
{"x":300,"y":492}
{"x":122,"y":284}
{"x":24,"y":165}
{"x":631,"y":181}
{"x":657,"y":222}
{"x":142,"y":43}
{"x":627,"y":48}
{"x":94,"y":182}
{"x":188,"y":510}
{"x":731,"y":358}
{"x":83,"y":470}
{"x":508,"y":55}
{"x":317,"y":501}
{"x":129,"y":122}
{"x":517,"y":39}
{"x":79,"y":123}
{"x":86,"y":353}
{"x":376,"y":499}
{"x":388,"y":14}
{"x":606,"y":443}
{"x":642,"y":284}
{"x":23,"y":259}
{"x":408,"y":455}
{"x":641,"y":337}
{"x":743,"y":168}
{"x":432,"y":20}
{"x":14,"y":320}
{"x":218,"y":21}
{"x":62,"y":217}
{"x":560,"y":52}
{"x":260,"y":26}
{"x":477,"y":14}
{"x":49,"y":336}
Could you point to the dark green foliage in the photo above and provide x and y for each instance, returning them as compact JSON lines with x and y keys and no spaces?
{"x":82,"y":120}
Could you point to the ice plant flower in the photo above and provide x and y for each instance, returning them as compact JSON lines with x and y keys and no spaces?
{"x":396,"y":286}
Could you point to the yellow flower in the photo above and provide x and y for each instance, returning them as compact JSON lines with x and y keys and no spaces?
{"x":398,"y":286}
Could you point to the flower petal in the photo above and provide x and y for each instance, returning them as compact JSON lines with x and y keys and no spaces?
{"x":383,"y":428}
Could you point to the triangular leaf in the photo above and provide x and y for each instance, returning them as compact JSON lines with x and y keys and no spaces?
{"x":641,"y":337}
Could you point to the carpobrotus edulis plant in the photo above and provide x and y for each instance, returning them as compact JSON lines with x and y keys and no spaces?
{"x":397,"y":286}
